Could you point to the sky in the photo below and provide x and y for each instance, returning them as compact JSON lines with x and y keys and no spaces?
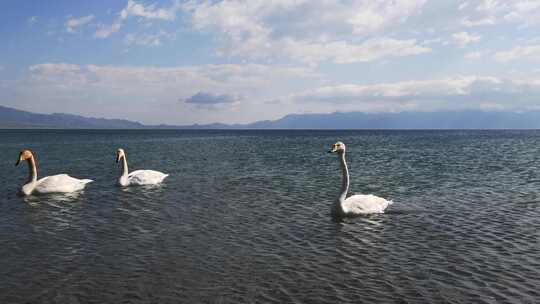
{"x":184,"y":62}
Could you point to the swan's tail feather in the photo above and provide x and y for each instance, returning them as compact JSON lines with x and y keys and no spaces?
{"x":86,"y":181}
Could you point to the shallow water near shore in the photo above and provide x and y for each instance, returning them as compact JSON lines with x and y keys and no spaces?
{"x":245,"y":217}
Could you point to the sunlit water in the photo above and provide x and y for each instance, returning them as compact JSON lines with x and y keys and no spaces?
{"x":245,"y":218}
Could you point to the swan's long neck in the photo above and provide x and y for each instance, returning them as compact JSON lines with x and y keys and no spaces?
{"x":32,"y":168}
{"x":124,"y":166}
{"x":338,"y":209}
{"x":344,"y":179}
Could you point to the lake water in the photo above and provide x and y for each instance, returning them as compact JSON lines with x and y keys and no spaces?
{"x":244,"y":217}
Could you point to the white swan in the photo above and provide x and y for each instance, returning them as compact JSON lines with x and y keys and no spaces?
{"x":61,"y":183}
{"x":138,"y":177}
{"x":356,"y":204}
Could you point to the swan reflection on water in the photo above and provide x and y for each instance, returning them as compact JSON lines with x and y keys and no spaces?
{"x":53,"y":199}
{"x":144,"y":189}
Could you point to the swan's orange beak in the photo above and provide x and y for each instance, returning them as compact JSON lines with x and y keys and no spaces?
{"x":333,"y":149}
{"x":117,"y":157}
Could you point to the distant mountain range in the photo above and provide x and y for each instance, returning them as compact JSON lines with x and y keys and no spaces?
{"x":12,"y":118}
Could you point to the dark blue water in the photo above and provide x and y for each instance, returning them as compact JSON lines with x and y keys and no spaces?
{"x":245,"y":218}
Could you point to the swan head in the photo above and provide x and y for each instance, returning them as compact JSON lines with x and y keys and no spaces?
{"x":120,"y":154}
{"x":24,"y":155}
{"x":338,"y":147}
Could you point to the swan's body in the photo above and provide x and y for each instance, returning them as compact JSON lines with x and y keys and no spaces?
{"x":364,"y":204}
{"x":355,"y":204}
{"x":138,"y":177}
{"x":60,"y":183}
{"x":142,"y":177}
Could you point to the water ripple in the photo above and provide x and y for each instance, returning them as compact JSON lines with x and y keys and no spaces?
{"x":246,"y":218}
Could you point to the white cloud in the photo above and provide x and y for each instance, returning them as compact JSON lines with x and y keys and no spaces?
{"x":345,"y":52}
{"x":134,"y":9}
{"x":467,"y":92}
{"x":104,"y":31}
{"x":308,"y":31}
{"x":330,"y":35}
{"x":191,"y":78}
{"x":151,"y":94}
{"x":473,"y":55}
{"x":146,"y":39}
{"x":373,"y":16}
{"x":73,"y":23}
{"x":526,"y":12}
{"x":464,"y":38}
{"x":32,"y":20}
{"x":491,"y":12}
{"x":150,"y":12}
{"x":519,"y":52}
{"x":478,"y":22}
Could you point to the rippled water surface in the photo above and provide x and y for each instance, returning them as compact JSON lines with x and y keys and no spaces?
{"x":244,"y":218}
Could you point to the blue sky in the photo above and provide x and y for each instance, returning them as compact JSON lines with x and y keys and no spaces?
{"x":182,"y":62}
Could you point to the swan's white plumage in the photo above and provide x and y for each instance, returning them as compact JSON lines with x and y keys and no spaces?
{"x":60,"y":183}
{"x":355,"y":204}
{"x":146,"y":177}
{"x":365,"y":204}
{"x":137,"y":177}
